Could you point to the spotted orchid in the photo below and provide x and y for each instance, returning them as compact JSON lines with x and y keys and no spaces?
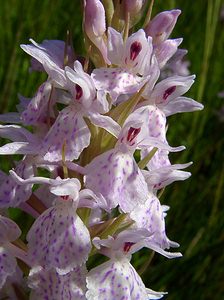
{"x":70,"y":129}
{"x":134,"y":61}
{"x":93,"y":157}
{"x":117,"y":278}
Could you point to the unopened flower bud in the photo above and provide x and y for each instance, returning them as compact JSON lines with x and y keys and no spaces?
{"x":95,"y":25}
{"x":134,"y":6}
{"x":161,"y":26}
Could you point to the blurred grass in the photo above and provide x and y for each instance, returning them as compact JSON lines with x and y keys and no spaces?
{"x":196,"y":217}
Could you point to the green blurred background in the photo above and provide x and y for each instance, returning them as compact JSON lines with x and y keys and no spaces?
{"x":196,"y":216}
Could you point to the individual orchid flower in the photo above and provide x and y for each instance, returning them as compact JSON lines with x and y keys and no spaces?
{"x":153,"y":129}
{"x":134,"y":62}
{"x":161,"y":172}
{"x":150,"y":216}
{"x":117,"y":278}
{"x":161,"y":26}
{"x":95,"y":25}
{"x":48,"y":284}
{"x":58,"y":238}
{"x":166,"y":95}
{"x":50,"y":54}
{"x":9,"y":232}
{"x":116,"y":175}
{"x":70,"y":130}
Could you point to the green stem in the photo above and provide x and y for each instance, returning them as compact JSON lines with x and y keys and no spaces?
{"x":142,"y":164}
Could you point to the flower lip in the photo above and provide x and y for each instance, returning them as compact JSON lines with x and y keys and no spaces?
{"x":168,"y":92}
{"x":135,"y":49}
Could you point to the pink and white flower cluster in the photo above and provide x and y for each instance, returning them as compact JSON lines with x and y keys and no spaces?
{"x":88,"y":119}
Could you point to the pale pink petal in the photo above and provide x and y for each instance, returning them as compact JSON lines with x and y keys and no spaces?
{"x":16,"y":133}
{"x":105,"y":122}
{"x":50,"y":62}
{"x":115,"y":46}
{"x":117,"y":177}
{"x":116,"y":81}
{"x":151,"y":217}
{"x":95,"y":25}
{"x":181,"y":104}
{"x":153,"y":122}
{"x":166,"y":50}
{"x":48,"y":284}
{"x":38,"y":109}
{"x":19,"y":148}
{"x":159,"y":160}
{"x":9,"y":231}
{"x":116,"y":279}
{"x":161,"y":26}
{"x":69,"y":131}
{"x":59,"y":239}
{"x":80,"y":85}
{"x":164,"y":176}
{"x":12,"y":193}
{"x":137,"y":53}
{"x":169,"y":89}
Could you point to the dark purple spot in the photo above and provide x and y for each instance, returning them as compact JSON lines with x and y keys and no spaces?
{"x":132,"y":133}
{"x":135,"y":49}
{"x":127,"y":246}
{"x":168,"y":92}
{"x":78,"y":92}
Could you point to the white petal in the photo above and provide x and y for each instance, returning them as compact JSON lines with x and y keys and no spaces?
{"x":116,"y":81}
{"x":52,"y":68}
{"x":59,"y":239}
{"x":69,"y":130}
{"x":15,"y":133}
{"x":115,"y":46}
{"x":182,"y":104}
{"x":166,"y":50}
{"x":115,"y":279}
{"x":151,"y":217}
{"x":105,"y":122}
{"x":17,"y":148}
{"x":117,"y":177}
